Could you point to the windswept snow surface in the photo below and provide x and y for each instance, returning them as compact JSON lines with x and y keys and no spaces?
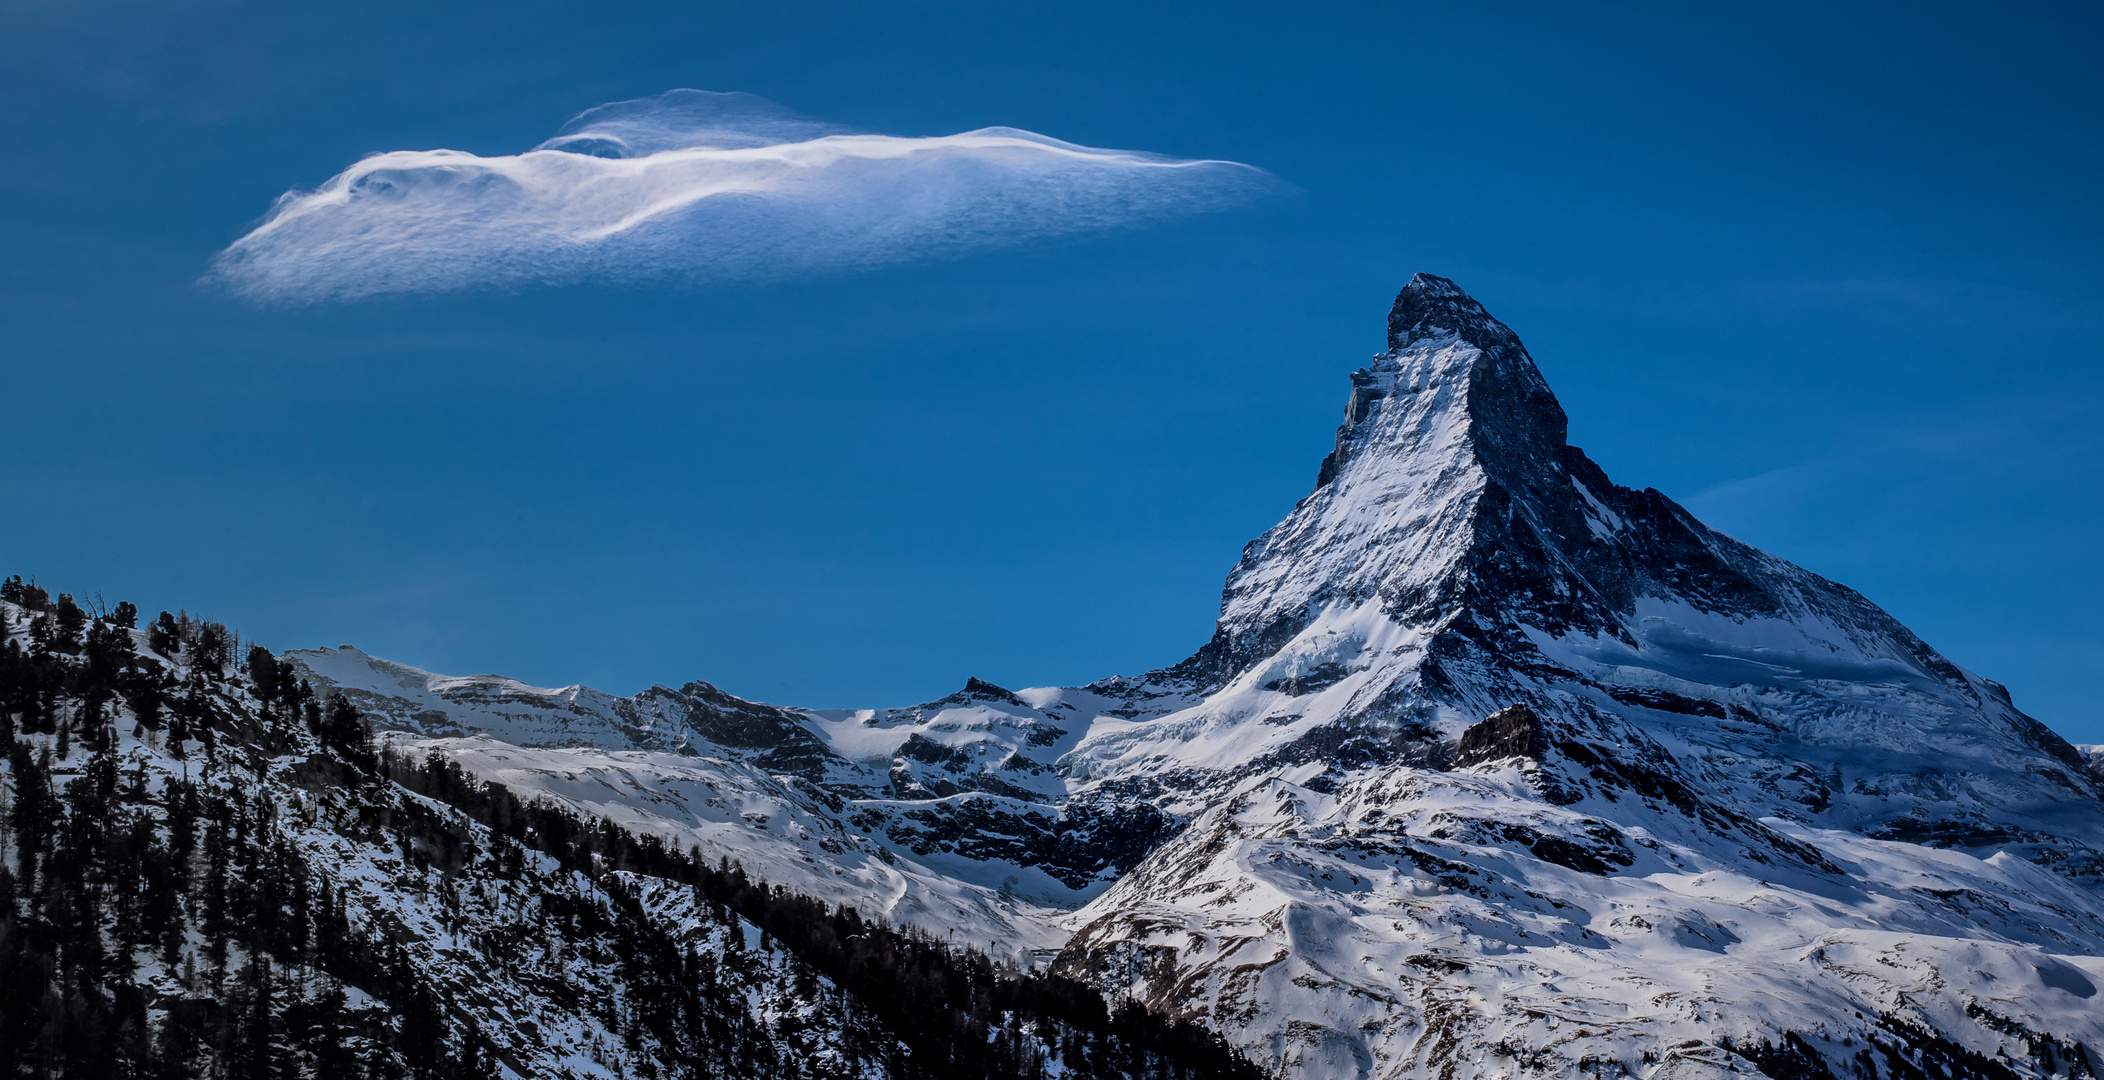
{"x":1491,"y":768}
{"x":782,"y":830}
{"x":949,"y":815}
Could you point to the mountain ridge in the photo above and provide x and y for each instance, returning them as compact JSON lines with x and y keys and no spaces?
{"x":1474,"y":721}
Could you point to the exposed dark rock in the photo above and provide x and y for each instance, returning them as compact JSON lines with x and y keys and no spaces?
{"x":2044,"y":738}
{"x":1075,"y":846}
{"x":927,"y":751}
{"x":977,"y":689}
{"x":1314,"y":680}
{"x":1947,"y":834}
{"x":727,"y":720}
{"x":1599,"y":851}
{"x":1045,"y":735}
{"x":1510,"y":732}
{"x":1578,"y":857}
{"x":1664,"y":701}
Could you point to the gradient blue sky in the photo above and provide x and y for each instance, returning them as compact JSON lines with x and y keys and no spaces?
{"x":1828,"y":275}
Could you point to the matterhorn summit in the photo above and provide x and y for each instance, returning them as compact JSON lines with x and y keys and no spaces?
{"x":1458,"y":557}
{"x":1491,"y":768}
{"x":1499,"y":767}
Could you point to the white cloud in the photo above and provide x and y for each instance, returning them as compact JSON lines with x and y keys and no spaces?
{"x":700,"y":187}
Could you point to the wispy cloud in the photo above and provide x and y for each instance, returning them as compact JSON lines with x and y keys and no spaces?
{"x":700,"y":187}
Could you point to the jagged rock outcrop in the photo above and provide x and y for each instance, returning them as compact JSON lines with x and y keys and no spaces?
{"x":1509,"y":732}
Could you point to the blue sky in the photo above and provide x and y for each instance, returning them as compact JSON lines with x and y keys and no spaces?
{"x":1828,"y":275}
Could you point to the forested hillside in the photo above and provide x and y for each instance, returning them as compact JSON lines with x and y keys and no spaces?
{"x":210,"y":871}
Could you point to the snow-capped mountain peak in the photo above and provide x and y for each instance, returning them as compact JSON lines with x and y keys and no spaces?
{"x":1491,"y":766}
{"x":1455,"y":407}
{"x":1457,"y":556}
{"x":1469,"y":672}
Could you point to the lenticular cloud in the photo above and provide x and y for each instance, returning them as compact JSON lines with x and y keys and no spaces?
{"x":701,"y":187}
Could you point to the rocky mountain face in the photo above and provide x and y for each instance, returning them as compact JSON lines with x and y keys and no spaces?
{"x":1525,"y":771}
{"x":1491,"y":767}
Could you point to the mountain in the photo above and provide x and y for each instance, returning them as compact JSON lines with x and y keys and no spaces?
{"x":1501,"y":767}
{"x":1490,"y":767}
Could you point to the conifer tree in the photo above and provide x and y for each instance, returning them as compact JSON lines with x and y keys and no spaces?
{"x":70,"y":620}
{"x":164,"y":636}
{"x":343,"y":730}
{"x":208,"y":653}
{"x":263,"y":673}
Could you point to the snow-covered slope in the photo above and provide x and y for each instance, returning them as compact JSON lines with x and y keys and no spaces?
{"x":950,"y":815}
{"x":782,"y":831}
{"x":1532,"y":772}
{"x":1491,"y":767}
